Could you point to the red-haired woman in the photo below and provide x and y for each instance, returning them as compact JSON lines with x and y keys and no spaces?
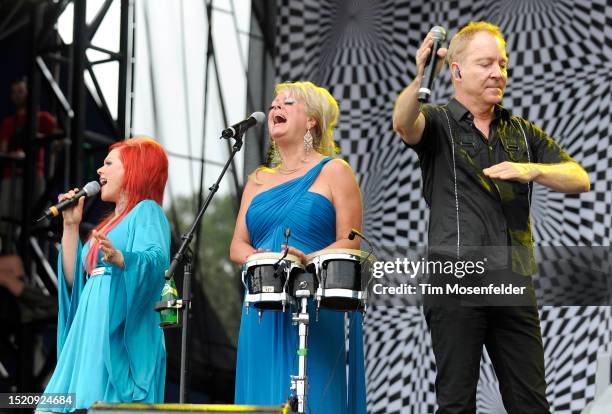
{"x":110,"y":347}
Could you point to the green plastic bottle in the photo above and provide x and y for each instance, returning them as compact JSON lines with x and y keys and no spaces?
{"x":169,"y":318}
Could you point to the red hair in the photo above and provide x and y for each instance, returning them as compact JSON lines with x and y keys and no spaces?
{"x":145,"y":172}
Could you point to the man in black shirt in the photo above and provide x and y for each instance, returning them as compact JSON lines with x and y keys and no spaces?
{"x":478,"y":164}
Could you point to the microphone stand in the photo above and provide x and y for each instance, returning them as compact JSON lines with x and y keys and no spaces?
{"x":354,"y":233}
{"x":351,"y":236}
{"x":182,"y":256}
{"x":285,"y":252}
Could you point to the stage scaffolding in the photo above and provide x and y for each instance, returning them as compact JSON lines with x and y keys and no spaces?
{"x":61,"y":72}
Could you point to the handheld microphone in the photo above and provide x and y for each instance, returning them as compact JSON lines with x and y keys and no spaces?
{"x":91,"y":188}
{"x":439,"y":35}
{"x":240,"y":128}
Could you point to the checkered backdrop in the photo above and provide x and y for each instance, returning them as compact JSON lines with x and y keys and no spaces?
{"x":560,"y":78}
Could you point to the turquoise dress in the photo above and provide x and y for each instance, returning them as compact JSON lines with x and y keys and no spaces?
{"x":267,"y":349}
{"x":109,"y":344}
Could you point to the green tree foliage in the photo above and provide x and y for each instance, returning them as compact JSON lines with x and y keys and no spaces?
{"x":218,"y":277}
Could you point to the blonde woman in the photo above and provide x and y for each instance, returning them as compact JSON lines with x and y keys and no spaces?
{"x":306,"y":189}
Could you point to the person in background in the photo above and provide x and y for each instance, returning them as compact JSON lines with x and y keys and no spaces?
{"x":12,"y":138}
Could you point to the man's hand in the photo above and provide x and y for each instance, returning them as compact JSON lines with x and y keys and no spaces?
{"x":513,"y":171}
{"x":423,"y":53}
{"x":408,"y":121}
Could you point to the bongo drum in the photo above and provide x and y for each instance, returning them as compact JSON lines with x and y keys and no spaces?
{"x":266,"y":278}
{"x":342,"y":277}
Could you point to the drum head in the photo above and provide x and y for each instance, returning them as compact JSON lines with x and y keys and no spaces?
{"x":362,"y":255}
{"x":272,"y":256}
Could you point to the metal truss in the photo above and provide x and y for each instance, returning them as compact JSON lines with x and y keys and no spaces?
{"x":62,"y":69}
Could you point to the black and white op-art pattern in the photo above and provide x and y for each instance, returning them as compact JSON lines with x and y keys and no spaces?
{"x":560,"y":78}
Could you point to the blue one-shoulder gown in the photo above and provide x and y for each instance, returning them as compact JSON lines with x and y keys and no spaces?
{"x":109,"y":344}
{"x":267,"y":349}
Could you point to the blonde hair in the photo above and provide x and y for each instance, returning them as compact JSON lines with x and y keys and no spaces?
{"x":460,"y":41}
{"x":320,"y":105}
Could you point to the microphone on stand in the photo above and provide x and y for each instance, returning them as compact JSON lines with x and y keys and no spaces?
{"x":287,"y":235}
{"x":367,"y":268}
{"x":351,"y":236}
{"x":236,"y":130}
{"x":90,"y":189}
{"x":355,"y":232}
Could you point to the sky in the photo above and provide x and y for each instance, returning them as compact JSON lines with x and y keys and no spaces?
{"x":169,"y":78}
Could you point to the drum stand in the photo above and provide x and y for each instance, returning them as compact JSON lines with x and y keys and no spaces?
{"x":299,"y":382}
